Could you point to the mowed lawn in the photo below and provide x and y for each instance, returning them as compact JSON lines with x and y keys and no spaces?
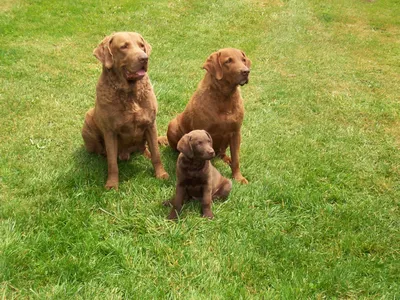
{"x":321,"y":150}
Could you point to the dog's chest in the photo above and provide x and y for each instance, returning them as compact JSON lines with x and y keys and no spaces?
{"x":191,"y":176}
{"x":226,"y":122}
{"x":192,"y":181}
{"x":136,"y":116}
{"x":194,"y":184}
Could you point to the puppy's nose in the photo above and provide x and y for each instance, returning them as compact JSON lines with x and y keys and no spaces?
{"x":245,"y":72}
{"x":144,"y":58}
{"x":211,"y":152}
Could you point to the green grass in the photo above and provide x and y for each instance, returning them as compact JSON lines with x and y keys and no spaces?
{"x":321,"y":149}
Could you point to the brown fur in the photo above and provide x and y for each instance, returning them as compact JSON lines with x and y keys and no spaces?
{"x":217,"y":106}
{"x":196,"y":176}
{"x":124,"y":116}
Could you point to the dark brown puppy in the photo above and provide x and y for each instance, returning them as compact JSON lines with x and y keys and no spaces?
{"x":196,"y":176}
{"x":124,"y":116}
{"x":217,"y":106}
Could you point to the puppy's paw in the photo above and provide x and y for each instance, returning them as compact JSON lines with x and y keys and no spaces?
{"x":162,"y":140}
{"x":173,"y":215}
{"x":208,"y":215}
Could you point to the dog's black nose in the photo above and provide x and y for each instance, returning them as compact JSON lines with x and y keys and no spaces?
{"x":144,"y":59}
{"x":211,"y":152}
{"x":245,"y":72}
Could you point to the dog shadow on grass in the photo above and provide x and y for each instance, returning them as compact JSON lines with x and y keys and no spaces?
{"x":84,"y":180}
{"x":90,"y":170}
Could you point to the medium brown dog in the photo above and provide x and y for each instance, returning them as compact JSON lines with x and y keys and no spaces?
{"x":124,"y":116}
{"x":217,"y":106}
{"x":196,"y":176}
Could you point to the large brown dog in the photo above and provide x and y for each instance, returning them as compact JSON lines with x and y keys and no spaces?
{"x":217,"y":106}
{"x":195,"y":175}
{"x":124,"y":116}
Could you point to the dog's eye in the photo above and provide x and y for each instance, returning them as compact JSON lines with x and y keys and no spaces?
{"x":141,"y":45}
{"x":200,"y":142}
{"x":228,"y":61}
{"x":243,"y":60}
{"x":124,"y":46}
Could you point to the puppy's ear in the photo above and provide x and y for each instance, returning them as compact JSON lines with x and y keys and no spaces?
{"x":103,"y":52}
{"x":185,"y":147}
{"x":213,"y":65}
{"x":147,"y":47}
{"x":248,"y":61}
{"x":209,"y":136}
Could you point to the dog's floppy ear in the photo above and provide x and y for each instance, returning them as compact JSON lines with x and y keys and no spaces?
{"x":209,"y":136}
{"x":213,"y":65}
{"x":103,"y":52}
{"x":147,"y":47}
{"x":248,"y":61}
{"x":185,"y":147}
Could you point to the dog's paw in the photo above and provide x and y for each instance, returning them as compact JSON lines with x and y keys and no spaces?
{"x":162,"y":175}
{"x":208,"y":214}
{"x":241,"y":179}
{"x":173,"y":215}
{"x":111,"y":184}
{"x":162,"y":140}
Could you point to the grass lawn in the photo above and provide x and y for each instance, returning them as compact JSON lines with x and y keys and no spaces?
{"x":321,"y":149}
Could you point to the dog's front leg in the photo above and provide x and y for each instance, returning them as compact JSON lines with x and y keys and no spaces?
{"x":206,"y":203}
{"x":110,"y":140}
{"x":177,"y":202}
{"x":235,"y":147}
{"x":151,"y":137}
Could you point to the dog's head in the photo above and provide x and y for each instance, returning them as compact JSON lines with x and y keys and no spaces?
{"x":196,"y":144}
{"x":127,"y":53}
{"x":229,"y":64}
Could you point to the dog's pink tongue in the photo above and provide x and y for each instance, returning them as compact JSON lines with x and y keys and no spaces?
{"x":141,"y":72}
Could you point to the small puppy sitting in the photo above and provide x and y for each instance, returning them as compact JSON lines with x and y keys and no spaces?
{"x":196,"y":176}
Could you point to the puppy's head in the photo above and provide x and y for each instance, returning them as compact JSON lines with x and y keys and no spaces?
{"x":229,"y":64}
{"x":197,"y":144}
{"x":127,"y":53}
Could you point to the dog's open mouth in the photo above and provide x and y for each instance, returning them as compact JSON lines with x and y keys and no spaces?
{"x":132,"y":76}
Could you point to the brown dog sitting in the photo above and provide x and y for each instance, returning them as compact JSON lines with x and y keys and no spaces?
{"x":196,"y":176}
{"x":217,"y":106}
{"x":124,"y":116}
